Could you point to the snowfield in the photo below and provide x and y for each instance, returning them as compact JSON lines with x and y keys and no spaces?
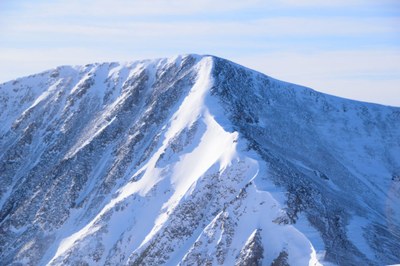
{"x":193,"y":160}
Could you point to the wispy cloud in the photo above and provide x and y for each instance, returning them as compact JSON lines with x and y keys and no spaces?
{"x":98,"y":8}
{"x":284,"y":26}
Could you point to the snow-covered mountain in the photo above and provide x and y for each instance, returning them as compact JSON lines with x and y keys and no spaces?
{"x":193,"y":160}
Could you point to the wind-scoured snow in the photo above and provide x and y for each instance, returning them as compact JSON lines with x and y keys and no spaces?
{"x":193,"y":160}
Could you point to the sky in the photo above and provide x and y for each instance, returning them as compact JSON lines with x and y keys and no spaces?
{"x":348,"y":48}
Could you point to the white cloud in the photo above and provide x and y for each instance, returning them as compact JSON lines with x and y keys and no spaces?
{"x":319,"y":3}
{"x":98,"y":8}
{"x":268,"y":27}
{"x":143,"y":8}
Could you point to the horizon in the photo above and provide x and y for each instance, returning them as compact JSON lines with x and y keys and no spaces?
{"x":349,"y":49}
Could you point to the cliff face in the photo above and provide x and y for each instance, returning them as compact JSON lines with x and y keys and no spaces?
{"x":193,"y":160}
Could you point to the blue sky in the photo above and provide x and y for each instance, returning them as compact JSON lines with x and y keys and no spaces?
{"x":347,"y":48}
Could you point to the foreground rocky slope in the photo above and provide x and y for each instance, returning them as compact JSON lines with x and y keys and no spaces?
{"x":193,"y":160}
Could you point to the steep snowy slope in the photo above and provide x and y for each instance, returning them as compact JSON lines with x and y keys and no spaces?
{"x":193,"y":160}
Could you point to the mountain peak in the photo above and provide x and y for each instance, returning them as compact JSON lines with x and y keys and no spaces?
{"x":193,"y":160}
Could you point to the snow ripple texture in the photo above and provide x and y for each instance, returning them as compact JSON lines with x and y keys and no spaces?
{"x":193,"y":160}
